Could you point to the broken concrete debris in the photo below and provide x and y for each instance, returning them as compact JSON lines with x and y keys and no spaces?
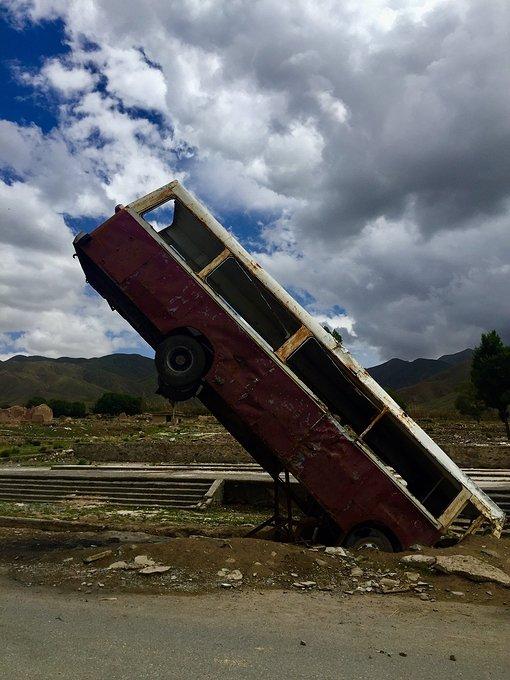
{"x":418,"y":559}
{"x":304,"y":585}
{"x":157,"y":569}
{"x":337,"y":551}
{"x":230,"y":576}
{"x":97,"y":556}
{"x":143,"y":561}
{"x":471,"y":568}
{"x":119,"y":565}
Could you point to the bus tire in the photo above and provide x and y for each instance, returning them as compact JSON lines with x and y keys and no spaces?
{"x":367,"y":537}
{"x":180,"y":362}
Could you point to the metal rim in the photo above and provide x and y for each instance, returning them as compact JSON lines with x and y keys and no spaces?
{"x":180,"y":360}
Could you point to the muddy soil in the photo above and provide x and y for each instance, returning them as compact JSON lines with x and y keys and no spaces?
{"x":196,"y":564}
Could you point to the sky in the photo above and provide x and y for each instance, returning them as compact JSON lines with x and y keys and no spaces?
{"x":360,"y":151}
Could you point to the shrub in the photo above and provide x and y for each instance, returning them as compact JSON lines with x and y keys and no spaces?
{"x":111,"y":403}
{"x":35,"y":401}
{"x":73,"y":409}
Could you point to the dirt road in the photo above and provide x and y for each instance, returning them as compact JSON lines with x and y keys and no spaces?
{"x":246,"y":635}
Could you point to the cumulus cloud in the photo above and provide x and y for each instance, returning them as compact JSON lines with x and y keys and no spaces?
{"x":378,"y":132}
{"x":66,"y":80}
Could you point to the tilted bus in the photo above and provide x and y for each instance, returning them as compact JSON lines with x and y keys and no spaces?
{"x":223,"y":329}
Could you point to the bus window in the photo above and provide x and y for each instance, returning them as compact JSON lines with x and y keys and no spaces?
{"x":425,"y":480}
{"x":194,"y":242}
{"x":391,"y":444}
{"x":313,"y":365}
{"x":258,"y":307}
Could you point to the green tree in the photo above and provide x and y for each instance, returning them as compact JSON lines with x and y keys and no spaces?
{"x":111,"y":403}
{"x":72,"y":409}
{"x":468,"y":403}
{"x":35,"y":401}
{"x":490,"y":375}
{"x":334,"y":333}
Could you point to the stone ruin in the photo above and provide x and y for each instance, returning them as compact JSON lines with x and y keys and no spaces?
{"x":41,"y":414}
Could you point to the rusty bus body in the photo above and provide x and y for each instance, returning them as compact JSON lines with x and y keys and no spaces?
{"x":276,"y":379}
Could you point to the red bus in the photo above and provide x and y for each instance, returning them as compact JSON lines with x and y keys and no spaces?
{"x":223,"y":329}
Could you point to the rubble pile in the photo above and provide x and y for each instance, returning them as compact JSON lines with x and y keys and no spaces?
{"x":12,"y":415}
{"x":144,"y":563}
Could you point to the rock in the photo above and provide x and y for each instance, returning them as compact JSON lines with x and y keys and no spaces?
{"x":457,"y":593}
{"x":412,"y":576}
{"x":418,"y":559}
{"x":356,"y":572}
{"x":321,"y":563}
{"x":339,"y":552}
{"x":416,"y":546}
{"x":119,"y":565}
{"x":227,"y":585}
{"x":453,"y":657}
{"x":222,"y":572}
{"x":389,"y":583}
{"x":489,"y":553}
{"x":402,"y":654}
{"x":13,"y":414}
{"x":158,"y":569}
{"x":143,"y":561}
{"x":424,"y":596}
{"x":234,"y":575}
{"x":471,"y":568}
{"x":303,"y":585}
{"x":40,"y":414}
{"x":302,"y":643}
{"x":97,"y":556}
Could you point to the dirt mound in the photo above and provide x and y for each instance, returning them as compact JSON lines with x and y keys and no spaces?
{"x":106,"y":564}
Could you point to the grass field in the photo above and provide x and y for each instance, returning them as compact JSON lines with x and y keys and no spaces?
{"x":202,"y":439}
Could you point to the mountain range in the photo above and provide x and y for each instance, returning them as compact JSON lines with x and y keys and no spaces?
{"x":76,"y":379}
{"x":429,"y":383}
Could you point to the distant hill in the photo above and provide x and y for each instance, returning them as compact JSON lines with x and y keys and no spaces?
{"x":438,"y":393}
{"x":396,"y":374}
{"x":428,"y":383}
{"x":76,"y":379}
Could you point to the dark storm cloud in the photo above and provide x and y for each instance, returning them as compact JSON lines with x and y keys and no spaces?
{"x":380,"y":132}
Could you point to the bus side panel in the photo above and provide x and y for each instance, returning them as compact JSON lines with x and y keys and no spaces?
{"x":360,"y":489}
{"x":121,"y":246}
{"x":258,"y":391}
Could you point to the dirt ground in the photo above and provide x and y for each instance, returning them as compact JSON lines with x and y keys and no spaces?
{"x":199,"y":563}
{"x":202,"y":439}
{"x":202,"y":553}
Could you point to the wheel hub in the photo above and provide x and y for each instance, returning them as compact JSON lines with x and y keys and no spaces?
{"x":180,"y":359}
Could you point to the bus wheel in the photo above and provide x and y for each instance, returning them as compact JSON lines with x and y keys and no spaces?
{"x":370,"y":538}
{"x":180,"y":361}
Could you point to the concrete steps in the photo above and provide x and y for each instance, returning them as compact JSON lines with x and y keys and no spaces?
{"x":139,"y":492}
